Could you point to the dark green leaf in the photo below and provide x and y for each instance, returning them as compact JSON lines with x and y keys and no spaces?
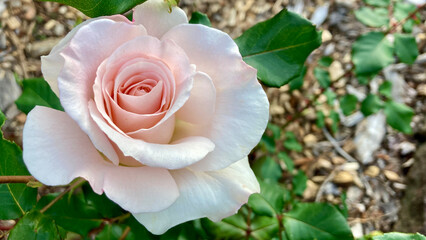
{"x":386,"y":89}
{"x":2,"y":119}
{"x":137,"y":230}
{"x":274,"y":194}
{"x":233,"y":227}
{"x":406,"y":48}
{"x":264,"y":227}
{"x":287,"y":160}
{"x":320,"y":119}
{"x":72,"y":212}
{"x":260,"y":206}
{"x":378,"y":3}
{"x":334,"y":116}
{"x":183,"y":231}
{"x":36,"y":91}
{"x":268,"y":143}
{"x":364,"y":80}
{"x":348,"y":104}
{"x":291,"y":142}
{"x":111,"y":232}
{"x":399,"y":116}
{"x":278,"y":47}
{"x":323,"y":77}
{"x":371,"y":52}
{"x":299,"y":183}
{"x":373,"y":17}
{"x":15,"y":198}
{"x":200,"y":18}
{"x":103,"y":205}
{"x":297,"y":82}
{"x":325,"y":61}
{"x":400,"y":236}
{"x":316,"y":221}
{"x":371,"y":105}
{"x":35,"y":225}
{"x":267,"y":168}
{"x":401,"y":11}
{"x":96,"y":8}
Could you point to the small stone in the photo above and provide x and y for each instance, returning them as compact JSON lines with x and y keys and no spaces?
{"x":343,"y":177}
{"x":372,"y":171}
{"x":350,"y":166}
{"x":336,"y":70}
{"x":276,"y":110}
{"x":59,"y":29}
{"x":40,"y":48}
{"x":9,"y":90}
{"x":318,"y":179}
{"x":338,"y":160}
{"x":406,"y":148}
{"x":421,"y":89}
{"x":326,"y":36}
{"x":324,"y":163}
{"x":354,"y":194}
{"x":392,"y":176}
{"x":310,"y":140}
{"x":13,"y":23}
{"x":30,"y":12}
{"x":50,"y":24}
{"x":62,"y":10}
{"x":311,"y":190}
{"x":357,"y":230}
{"x":2,"y":40}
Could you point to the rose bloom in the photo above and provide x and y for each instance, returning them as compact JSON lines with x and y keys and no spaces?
{"x":160,"y":115}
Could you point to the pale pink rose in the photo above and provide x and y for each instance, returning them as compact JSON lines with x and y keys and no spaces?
{"x":160,"y":115}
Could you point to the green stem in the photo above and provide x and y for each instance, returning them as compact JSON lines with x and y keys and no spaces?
{"x":392,"y":29}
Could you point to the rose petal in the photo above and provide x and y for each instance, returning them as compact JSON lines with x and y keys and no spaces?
{"x":56,"y":151}
{"x":200,"y":107}
{"x":155,"y":17}
{"x":175,"y":155}
{"x":51,"y":65}
{"x":215,"y":195}
{"x":81,"y":60}
{"x":241,"y":112}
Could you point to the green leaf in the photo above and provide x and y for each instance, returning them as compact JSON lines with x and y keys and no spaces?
{"x":406,"y":48}
{"x":102,"y":204}
{"x":371,"y":105}
{"x":291,"y":142}
{"x":297,"y":82}
{"x":348,"y":104}
{"x":316,"y":221}
{"x":36,"y":91}
{"x":260,"y":206}
{"x":72,"y":212}
{"x":267,"y":143}
{"x":371,"y":53}
{"x":233,"y":227}
{"x":401,"y":11}
{"x":299,"y":183}
{"x":325,"y":61}
{"x":287,"y":160}
{"x":276,"y":130}
{"x":278,"y":47}
{"x":267,"y":168}
{"x":331,"y":96}
{"x":323,"y":77}
{"x":200,"y":18}
{"x":15,"y":198}
{"x":399,"y":116}
{"x":334,"y":116}
{"x":96,"y":8}
{"x":183,"y":231}
{"x":111,"y":232}
{"x":264,"y":227}
{"x":378,"y":3}
{"x":320,"y":119}
{"x":35,"y":225}
{"x":373,"y":17}
{"x":400,"y":236}
{"x":137,"y":230}
{"x":386,"y":89}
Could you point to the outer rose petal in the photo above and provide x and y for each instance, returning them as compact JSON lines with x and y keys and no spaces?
{"x":241,"y":113}
{"x":155,"y":17}
{"x":56,"y":151}
{"x":51,"y":65}
{"x":215,"y":195}
{"x":82,"y":56}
